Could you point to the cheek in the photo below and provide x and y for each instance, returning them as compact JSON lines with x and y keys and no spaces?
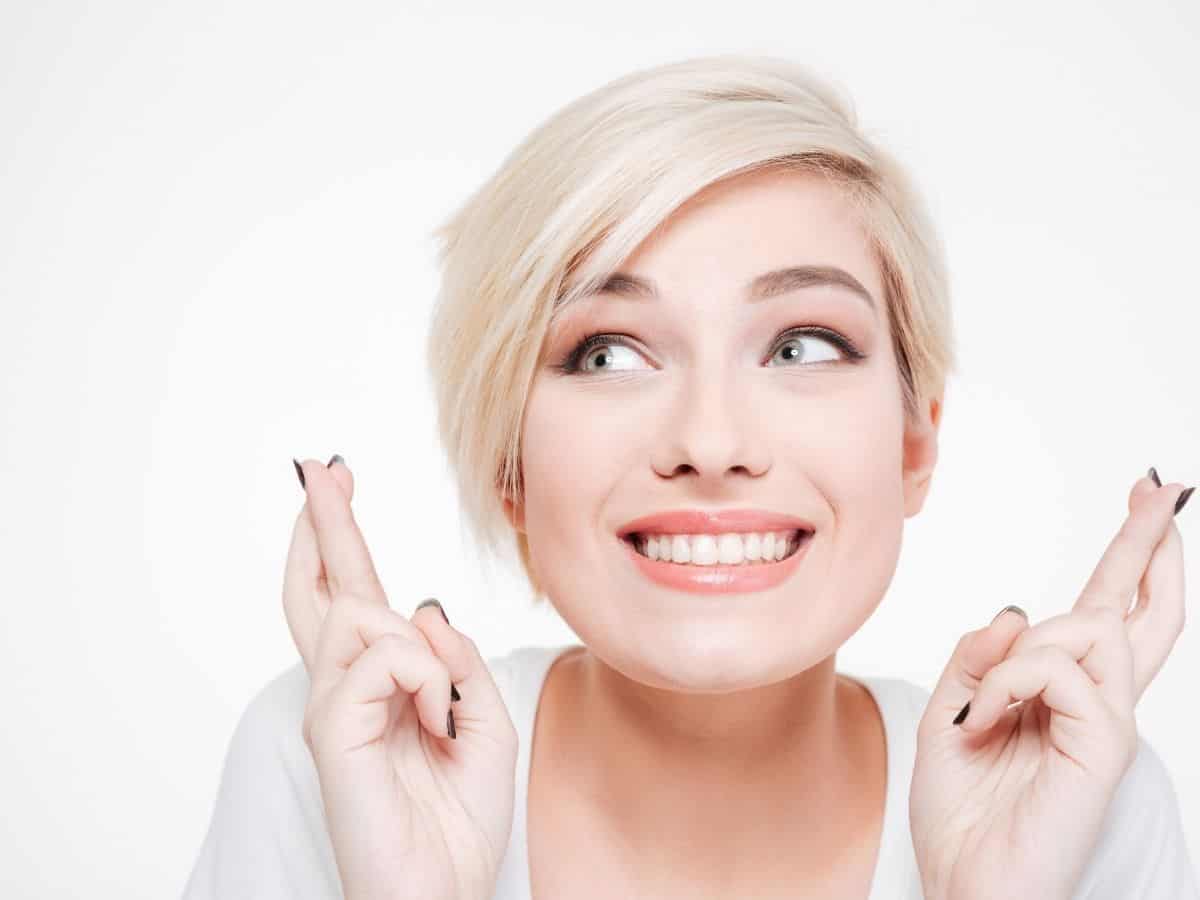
{"x":572,"y":455}
{"x":856,"y":461}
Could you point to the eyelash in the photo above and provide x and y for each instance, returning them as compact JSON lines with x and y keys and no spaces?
{"x":570,"y":365}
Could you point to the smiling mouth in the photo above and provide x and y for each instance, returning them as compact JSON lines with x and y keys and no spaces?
{"x":727,"y":549}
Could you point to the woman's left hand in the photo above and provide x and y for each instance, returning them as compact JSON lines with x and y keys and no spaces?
{"x":1011,"y":802}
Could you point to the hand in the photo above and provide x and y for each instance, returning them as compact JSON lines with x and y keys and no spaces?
{"x":411,"y":812}
{"x":1011,"y":803}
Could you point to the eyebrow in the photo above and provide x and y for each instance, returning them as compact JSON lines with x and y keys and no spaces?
{"x":769,"y":284}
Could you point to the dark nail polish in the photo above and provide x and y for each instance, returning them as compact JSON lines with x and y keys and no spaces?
{"x":299,"y":473}
{"x":1183,"y":498}
{"x":1154,"y":476}
{"x":432,"y":601}
{"x":958,"y":720}
{"x":450,"y":723}
{"x":454,"y":695}
{"x":335,"y":458}
{"x":1015,"y":609}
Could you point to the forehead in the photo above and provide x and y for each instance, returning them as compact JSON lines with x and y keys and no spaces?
{"x":734,"y":230}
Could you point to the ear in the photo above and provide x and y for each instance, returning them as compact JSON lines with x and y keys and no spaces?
{"x":920,"y":454}
{"x":514,"y":512}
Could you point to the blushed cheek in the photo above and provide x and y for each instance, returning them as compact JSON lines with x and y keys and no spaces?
{"x":575,"y":451}
{"x":860,"y":467}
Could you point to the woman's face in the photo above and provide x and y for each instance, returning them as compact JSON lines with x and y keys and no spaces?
{"x":710,"y":400}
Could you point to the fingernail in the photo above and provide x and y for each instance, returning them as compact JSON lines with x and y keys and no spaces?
{"x":958,"y":720}
{"x":432,"y":601}
{"x":299,"y":473}
{"x":454,"y":694}
{"x":1183,"y":498}
{"x":335,"y":458}
{"x":1015,"y":609}
{"x":1154,"y":476}
{"x":450,"y":723}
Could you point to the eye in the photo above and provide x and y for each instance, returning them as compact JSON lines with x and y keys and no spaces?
{"x":584,"y":357}
{"x":792,"y":346}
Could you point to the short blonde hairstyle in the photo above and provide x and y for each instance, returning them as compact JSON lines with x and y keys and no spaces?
{"x":585,"y":188}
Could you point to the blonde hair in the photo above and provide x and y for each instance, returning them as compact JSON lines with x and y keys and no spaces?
{"x":583,"y":190}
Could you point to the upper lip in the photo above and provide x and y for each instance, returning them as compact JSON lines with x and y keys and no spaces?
{"x":700,"y":521}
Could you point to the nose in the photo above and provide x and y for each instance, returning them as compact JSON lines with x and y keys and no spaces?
{"x":711,"y":430}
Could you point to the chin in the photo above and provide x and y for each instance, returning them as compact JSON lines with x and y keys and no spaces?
{"x":705,"y":661}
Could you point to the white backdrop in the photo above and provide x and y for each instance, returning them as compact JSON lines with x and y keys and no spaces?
{"x":215,"y":225}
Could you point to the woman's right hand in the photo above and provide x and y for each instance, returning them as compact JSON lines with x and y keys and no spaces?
{"x":411,"y":812}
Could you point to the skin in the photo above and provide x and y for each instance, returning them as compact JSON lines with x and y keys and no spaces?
{"x":704,"y":745}
{"x":707,"y":734}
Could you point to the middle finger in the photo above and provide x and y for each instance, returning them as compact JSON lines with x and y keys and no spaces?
{"x":1098,"y":641}
{"x":1158,"y":618}
{"x":305,"y":591}
{"x":1120,"y":569}
{"x":351,"y":626}
{"x":348,"y":564}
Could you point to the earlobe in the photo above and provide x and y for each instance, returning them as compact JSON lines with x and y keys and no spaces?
{"x":920,"y":456}
{"x":515,"y":513}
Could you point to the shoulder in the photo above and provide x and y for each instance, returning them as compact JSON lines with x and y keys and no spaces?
{"x":266,"y":835}
{"x":519,"y":672}
{"x":270,"y":724}
{"x":902,"y":702}
{"x":268,"y":742}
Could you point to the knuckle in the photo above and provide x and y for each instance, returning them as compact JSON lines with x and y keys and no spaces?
{"x":965,"y":641}
{"x":1055,"y":656}
{"x":393,"y":642}
{"x":397,"y":646}
{"x":469,"y":644}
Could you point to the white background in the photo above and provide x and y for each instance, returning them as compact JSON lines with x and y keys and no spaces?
{"x":215,"y":226}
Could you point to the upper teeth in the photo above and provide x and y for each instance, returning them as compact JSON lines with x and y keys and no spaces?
{"x":713,"y":549}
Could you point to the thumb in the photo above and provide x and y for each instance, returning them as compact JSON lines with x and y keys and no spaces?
{"x":974,"y":656}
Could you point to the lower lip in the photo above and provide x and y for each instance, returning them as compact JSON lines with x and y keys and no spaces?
{"x":739,"y":579}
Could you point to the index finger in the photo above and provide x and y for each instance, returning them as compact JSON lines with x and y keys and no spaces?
{"x":1124,"y":562}
{"x":348,"y":565}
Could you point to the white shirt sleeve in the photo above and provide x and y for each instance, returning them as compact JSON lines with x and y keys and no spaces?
{"x":1142,"y":853}
{"x":267,"y":838}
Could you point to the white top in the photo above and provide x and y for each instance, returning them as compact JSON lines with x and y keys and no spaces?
{"x":268,"y":840}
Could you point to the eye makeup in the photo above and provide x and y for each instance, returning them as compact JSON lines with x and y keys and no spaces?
{"x":570,"y":363}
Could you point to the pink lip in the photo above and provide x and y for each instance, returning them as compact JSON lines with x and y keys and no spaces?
{"x":743,"y":578}
{"x":697,"y":521}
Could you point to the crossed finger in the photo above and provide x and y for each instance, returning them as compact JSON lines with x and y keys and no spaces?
{"x":1098,"y":641}
{"x":1158,"y":618}
{"x":348,"y":564}
{"x":353,"y":625}
{"x":305,"y":589}
{"x":1126,"y":567}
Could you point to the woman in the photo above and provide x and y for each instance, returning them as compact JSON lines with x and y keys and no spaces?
{"x":691,"y":354}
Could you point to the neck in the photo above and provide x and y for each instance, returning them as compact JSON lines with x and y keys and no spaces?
{"x":722,"y":778}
